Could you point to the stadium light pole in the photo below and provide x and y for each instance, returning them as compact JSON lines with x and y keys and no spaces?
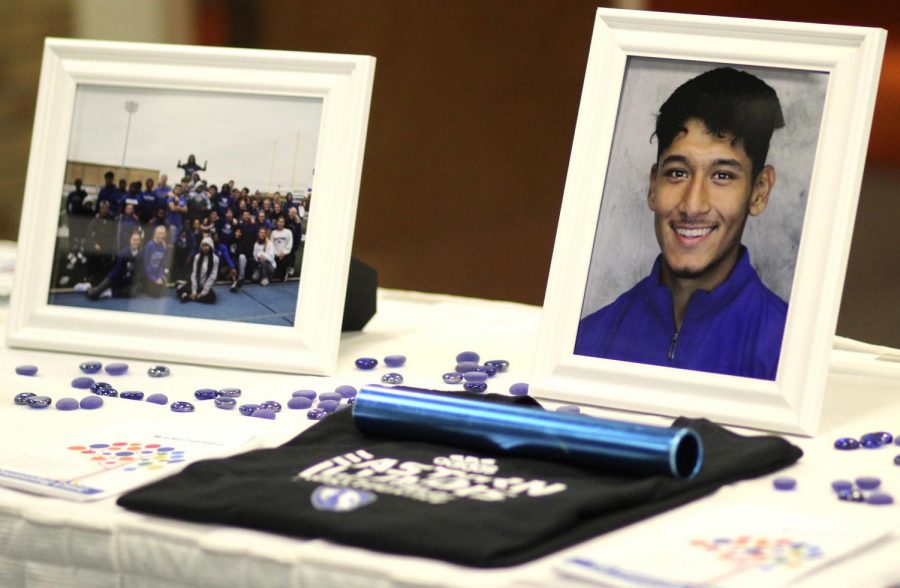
{"x":131,"y":107}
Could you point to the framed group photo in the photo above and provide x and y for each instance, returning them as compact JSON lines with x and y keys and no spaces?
{"x":707,"y":217}
{"x":191,"y":204}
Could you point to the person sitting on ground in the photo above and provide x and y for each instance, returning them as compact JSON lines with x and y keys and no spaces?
{"x":227,"y":269}
{"x":204,"y":270}
{"x":283,"y":244}
{"x":155,"y":258}
{"x":264,"y":256}
{"x":240,"y":254}
{"x":119,"y":282}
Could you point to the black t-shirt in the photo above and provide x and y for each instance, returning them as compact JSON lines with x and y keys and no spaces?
{"x":439,"y":501}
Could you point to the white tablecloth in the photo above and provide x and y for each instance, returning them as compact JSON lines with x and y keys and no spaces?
{"x":55,"y":542}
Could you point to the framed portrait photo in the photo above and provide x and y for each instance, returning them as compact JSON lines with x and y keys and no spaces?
{"x":191,"y":204}
{"x":707,"y":217}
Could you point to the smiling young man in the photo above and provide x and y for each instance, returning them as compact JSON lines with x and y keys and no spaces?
{"x":703,"y":307}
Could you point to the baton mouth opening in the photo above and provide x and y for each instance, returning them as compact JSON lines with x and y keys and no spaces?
{"x":688,"y":455}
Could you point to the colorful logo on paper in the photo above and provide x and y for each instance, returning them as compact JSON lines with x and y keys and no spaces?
{"x":763,"y":552}
{"x":130,"y":457}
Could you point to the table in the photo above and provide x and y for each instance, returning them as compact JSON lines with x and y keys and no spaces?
{"x":54,"y":542}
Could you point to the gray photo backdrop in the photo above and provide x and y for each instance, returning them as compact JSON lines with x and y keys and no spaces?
{"x":625,"y":245}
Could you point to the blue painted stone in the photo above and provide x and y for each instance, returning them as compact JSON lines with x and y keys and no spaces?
{"x":467,"y":356}
{"x":205,"y":394}
{"x":330,"y":396}
{"x":501,"y":364}
{"x":392,"y":378}
{"x":311,"y":394}
{"x":263,"y":413}
{"x":846,"y":444}
{"x":91,"y":402}
{"x":247,"y":409}
{"x":879,"y":498}
{"x":568,"y":409}
{"x":394,"y":361}
{"x":477,"y":387}
{"x":475,"y":377}
{"x":884,"y":436}
{"x":105,"y":391}
{"x":452,"y":378}
{"x":26,"y":370}
{"x":346,"y":391}
{"x":490,"y":370}
{"x":298,"y":402}
{"x":158,"y":398}
{"x":366,"y":363}
{"x":38,"y":401}
{"x":784,"y":483}
{"x":272,"y":405}
{"x":851,"y":496}
{"x":22,"y":397}
{"x":99,"y":386}
{"x":897,"y":460}
{"x":868,"y":482}
{"x":896,"y":439}
{"x":328,"y":405}
{"x":229,"y":393}
{"x":83,"y":382}
{"x":132,"y":395}
{"x":90,"y":367}
{"x":182,"y":406}
{"x":870,"y":441}
{"x":839,"y":485}
{"x":466,"y":366}
{"x":66,"y":404}
{"x":519,"y":389}
{"x":158,"y":371}
{"x":116,"y":369}
{"x":225,"y":402}
{"x":316,"y":414}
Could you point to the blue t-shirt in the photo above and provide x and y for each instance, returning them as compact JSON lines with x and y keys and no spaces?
{"x":111,"y":195}
{"x":736,"y":329}
{"x":154,"y":260}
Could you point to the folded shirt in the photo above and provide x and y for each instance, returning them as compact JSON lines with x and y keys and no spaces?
{"x":439,"y":501}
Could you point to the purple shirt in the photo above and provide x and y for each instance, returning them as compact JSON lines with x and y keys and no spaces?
{"x":736,"y":329}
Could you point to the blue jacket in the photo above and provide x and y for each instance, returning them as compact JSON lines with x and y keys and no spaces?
{"x":736,"y":329}
{"x":222,"y":252}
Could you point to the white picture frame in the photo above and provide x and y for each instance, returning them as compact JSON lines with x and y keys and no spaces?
{"x":850,"y":57}
{"x":343,"y":85}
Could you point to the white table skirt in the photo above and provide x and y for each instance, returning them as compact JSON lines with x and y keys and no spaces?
{"x":55,"y":542}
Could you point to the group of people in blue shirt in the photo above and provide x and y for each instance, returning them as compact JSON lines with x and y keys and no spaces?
{"x":703,"y":306}
{"x":152,"y":238}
